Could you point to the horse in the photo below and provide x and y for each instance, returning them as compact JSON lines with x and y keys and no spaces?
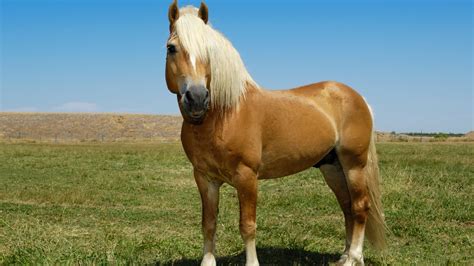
{"x":236,"y":132}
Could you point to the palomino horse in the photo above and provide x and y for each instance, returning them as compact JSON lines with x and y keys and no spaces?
{"x":236,"y":132}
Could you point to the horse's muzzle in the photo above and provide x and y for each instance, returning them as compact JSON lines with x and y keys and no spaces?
{"x":194,"y":104}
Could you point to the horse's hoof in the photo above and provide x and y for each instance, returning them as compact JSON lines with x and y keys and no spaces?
{"x":208,"y":260}
{"x":255,"y":263}
{"x":342,"y":260}
{"x":347,"y":260}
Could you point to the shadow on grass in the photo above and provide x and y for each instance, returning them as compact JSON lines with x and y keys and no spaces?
{"x":270,"y":256}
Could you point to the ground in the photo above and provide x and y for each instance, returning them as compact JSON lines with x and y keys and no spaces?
{"x":137,"y":203}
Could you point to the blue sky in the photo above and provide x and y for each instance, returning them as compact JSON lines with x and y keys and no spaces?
{"x":412,"y":60}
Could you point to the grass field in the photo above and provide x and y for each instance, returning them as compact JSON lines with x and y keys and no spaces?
{"x":137,"y":203}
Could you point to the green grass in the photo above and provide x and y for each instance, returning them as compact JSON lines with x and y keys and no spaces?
{"x":137,"y":203}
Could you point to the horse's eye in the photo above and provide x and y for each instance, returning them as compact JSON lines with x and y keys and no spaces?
{"x":171,"y":49}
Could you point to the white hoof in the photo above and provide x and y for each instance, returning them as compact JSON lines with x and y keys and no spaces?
{"x":253,"y":263}
{"x":347,"y":260}
{"x":342,"y":259}
{"x":208,"y":260}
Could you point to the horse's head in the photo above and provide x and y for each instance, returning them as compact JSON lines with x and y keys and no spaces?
{"x":187,"y":74}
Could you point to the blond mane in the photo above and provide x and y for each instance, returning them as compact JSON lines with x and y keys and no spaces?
{"x":229,"y":77}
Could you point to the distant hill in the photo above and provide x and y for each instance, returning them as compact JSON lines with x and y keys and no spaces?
{"x":425,"y":137}
{"x":85,"y":127}
{"x":470,"y":135}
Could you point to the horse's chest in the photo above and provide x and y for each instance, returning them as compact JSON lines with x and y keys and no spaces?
{"x":211,"y":157}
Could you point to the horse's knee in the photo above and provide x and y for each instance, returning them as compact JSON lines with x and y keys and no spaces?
{"x":360,"y":209}
{"x":248,"y":230}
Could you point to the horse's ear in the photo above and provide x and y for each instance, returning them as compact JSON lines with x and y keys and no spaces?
{"x":173,"y":12}
{"x":203,"y":12}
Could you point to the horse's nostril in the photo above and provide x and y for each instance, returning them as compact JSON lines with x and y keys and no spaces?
{"x":207,"y":93}
{"x":188,"y":96}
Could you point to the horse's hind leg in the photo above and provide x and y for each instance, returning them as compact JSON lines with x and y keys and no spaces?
{"x":336,"y":180}
{"x":354,"y":171}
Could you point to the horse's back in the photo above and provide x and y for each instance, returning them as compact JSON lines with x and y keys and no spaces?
{"x":335,"y":98}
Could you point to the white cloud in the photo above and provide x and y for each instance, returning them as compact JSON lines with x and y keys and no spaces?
{"x":71,"y":107}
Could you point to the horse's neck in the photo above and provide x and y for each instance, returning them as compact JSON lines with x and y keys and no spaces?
{"x":217,"y":119}
{"x":221,"y":114}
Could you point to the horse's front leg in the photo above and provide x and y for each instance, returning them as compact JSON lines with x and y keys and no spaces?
{"x":246,"y":184}
{"x":209,"y":191}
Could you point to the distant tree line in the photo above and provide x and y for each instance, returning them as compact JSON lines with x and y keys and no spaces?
{"x":433,"y":134}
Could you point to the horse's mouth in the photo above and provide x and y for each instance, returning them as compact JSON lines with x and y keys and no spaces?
{"x":196,"y":119}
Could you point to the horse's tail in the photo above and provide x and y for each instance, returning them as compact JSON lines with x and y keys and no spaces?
{"x":375,"y":227}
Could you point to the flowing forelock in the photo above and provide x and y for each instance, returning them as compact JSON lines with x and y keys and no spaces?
{"x":229,"y":77}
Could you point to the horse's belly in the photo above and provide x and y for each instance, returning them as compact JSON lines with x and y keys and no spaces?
{"x":279,"y":170}
{"x":290,"y":163}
